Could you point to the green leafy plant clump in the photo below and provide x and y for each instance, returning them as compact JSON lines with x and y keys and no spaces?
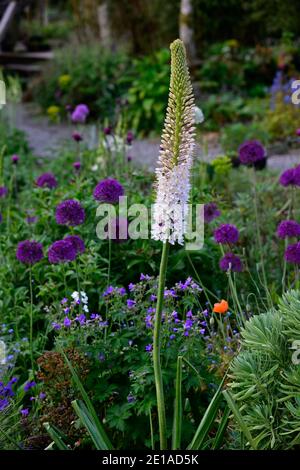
{"x":265,"y":376}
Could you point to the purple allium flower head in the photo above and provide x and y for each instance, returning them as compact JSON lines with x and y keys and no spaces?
{"x":232,"y":262}
{"x":292,"y":253}
{"x":80,"y":113}
{"x":251,"y":151}
{"x":290,"y":177}
{"x":288,"y":228}
{"x":77,"y":243}
{"x":15,"y":159}
{"x":77,"y":166}
{"x":61,"y":251}
{"x":226,"y":233}
{"x":70,"y":212}
{"x":29,"y":252}
{"x":24,"y":412}
{"x":77,"y":136}
{"x":108,"y":190}
{"x":129,"y":137}
{"x":46,"y":180}
{"x":3,"y":191}
{"x":107,"y":130}
{"x":211,"y":212}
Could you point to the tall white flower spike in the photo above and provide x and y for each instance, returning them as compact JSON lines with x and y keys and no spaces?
{"x":170,"y":212}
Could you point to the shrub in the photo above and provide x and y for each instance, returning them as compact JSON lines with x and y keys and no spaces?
{"x":265,"y":383}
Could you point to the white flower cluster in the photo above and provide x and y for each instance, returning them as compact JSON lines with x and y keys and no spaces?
{"x":170,"y":211}
{"x":81,"y":298}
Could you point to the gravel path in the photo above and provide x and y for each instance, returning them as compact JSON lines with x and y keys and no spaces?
{"x":45,"y":139}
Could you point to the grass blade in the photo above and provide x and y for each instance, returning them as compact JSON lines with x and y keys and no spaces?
{"x":56,"y":436}
{"x":88,"y":422}
{"x":217,"y":442}
{"x":207,"y":420}
{"x":177,"y":422}
{"x":236,"y":412}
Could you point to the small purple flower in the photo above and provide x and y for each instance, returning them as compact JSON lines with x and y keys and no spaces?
{"x":76,"y":166}
{"x":130,"y":303}
{"x":67,"y":322}
{"x":131,"y":287}
{"x":46,"y":180}
{"x":3,"y":191}
{"x":129,"y":137}
{"x":251,"y":151}
{"x":149,"y":347}
{"x":31,"y":219}
{"x":42,"y":395}
{"x":122,"y":291}
{"x":29,"y":385}
{"x":29,"y":252}
{"x":61,"y":251}
{"x":292,"y":253}
{"x":24,"y":412}
{"x":76,"y":242}
{"x":145,"y":277}
{"x":77,"y":136}
{"x":226,"y":233}
{"x":211,"y":212}
{"x":108,"y":190}
{"x":80,"y":113}
{"x":172,"y":337}
{"x":232,"y":262}
{"x":64,"y":301}
{"x":56,"y":326}
{"x":290,"y":177}
{"x":15,"y":159}
{"x":130,"y":398}
{"x":288,"y":228}
{"x":107,"y":130}
{"x":70,"y":212}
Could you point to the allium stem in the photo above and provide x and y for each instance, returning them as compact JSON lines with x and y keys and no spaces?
{"x":31,"y":319}
{"x":156,"y":349}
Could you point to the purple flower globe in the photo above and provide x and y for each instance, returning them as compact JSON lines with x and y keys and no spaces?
{"x":211,"y":212}
{"x":251,"y":151}
{"x":290,"y":177}
{"x":15,"y":159}
{"x":70,"y":212}
{"x":292,"y":253}
{"x":232,"y":262}
{"x":77,"y":136}
{"x":46,"y":180}
{"x":29,"y":252}
{"x":77,"y":166}
{"x":77,"y":242}
{"x":3,"y":191}
{"x":226,"y":233}
{"x":61,"y":251}
{"x":80,"y":113}
{"x":129,"y":137}
{"x":288,"y":228}
{"x":108,"y":190}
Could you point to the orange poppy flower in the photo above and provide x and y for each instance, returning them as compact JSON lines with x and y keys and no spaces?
{"x":221,"y":307}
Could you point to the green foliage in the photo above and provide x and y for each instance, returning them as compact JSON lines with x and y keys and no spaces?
{"x":148,"y":92}
{"x":234,"y":135}
{"x":91,"y":69}
{"x":265,"y":383}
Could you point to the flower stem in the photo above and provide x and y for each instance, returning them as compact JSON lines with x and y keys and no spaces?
{"x":31,"y":319}
{"x":156,"y":349}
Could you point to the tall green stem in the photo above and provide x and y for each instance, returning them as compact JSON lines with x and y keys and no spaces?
{"x":156,"y":349}
{"x":31,"y":318}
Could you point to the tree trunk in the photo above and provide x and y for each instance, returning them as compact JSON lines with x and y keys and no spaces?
{"x":186,"y":33}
